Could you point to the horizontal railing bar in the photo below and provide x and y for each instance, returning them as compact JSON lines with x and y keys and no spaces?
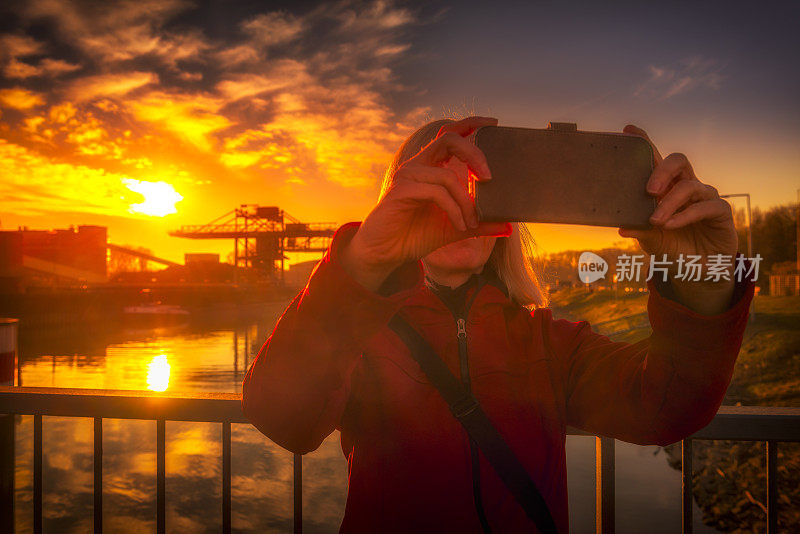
{"x":744,"y":423}
{"x":753,"y":423}
{"x":741,"y":423}
{"x":116,"y":404}
{"x":572,"y":431}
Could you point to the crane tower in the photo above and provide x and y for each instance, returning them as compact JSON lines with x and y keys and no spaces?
{"x":262,"y":235}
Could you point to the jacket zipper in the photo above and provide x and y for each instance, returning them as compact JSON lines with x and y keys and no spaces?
{"x":461,"y":335}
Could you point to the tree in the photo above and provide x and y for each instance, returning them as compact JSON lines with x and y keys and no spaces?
{"x":122,"y":262}
{"x":774,"y":234}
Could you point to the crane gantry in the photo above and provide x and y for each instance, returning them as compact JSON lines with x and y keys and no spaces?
{"x":262,"y":235}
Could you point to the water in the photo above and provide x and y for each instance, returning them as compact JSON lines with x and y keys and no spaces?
{"x":213,"y":356}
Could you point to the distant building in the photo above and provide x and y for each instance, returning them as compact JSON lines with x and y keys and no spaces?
{"x":53,"y":257}
{"x":784,"y":284}
{"x":298,"y":273}
{"x":190,"y":258}
{"x":11,"y":270}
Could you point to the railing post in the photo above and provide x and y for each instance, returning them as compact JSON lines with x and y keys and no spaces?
{"x":604,"y":489}
{"x":8,"y":367}
{"x":772,"y":487}
{"x":226,"y":476}
{"x":298,"y":494}
{"x":161,"y":477}
{"x":98,"y":475}
{"x":37,"y":473}
{"x":236,"y":354}
{"x":7,"y":463}
{"x":686,"y":486}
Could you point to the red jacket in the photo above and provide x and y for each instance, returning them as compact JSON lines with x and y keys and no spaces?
{"x":333,"y":363}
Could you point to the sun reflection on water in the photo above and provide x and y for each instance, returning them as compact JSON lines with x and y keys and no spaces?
{"x":158,"y":373}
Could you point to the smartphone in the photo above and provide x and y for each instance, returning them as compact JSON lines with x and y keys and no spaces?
{"x":563,"y":175}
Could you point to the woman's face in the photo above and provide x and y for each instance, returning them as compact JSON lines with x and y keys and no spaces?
{"x":468,"y":255}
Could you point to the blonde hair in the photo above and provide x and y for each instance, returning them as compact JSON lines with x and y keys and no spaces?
{"x":511,"y":257}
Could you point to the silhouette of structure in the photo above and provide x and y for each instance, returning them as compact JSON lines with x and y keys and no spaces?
{"x":143,"y":256}
{"x":52,"y":257}
{"x":262,"y":235}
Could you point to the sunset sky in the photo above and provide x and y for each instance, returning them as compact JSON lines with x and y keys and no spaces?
{"x":146,"y":115}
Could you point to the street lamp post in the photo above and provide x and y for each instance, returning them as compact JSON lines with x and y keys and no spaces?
{"x":749,"y":238}
{"x":749,"y":222}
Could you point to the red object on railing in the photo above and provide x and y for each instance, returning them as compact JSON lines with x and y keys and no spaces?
{"x":8,"y":351}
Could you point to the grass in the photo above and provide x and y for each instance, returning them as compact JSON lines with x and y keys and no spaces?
{"x":768,"y":368}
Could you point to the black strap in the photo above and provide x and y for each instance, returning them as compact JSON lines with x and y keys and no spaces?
{"x":476,"y":487}
{"x":468,"y":411}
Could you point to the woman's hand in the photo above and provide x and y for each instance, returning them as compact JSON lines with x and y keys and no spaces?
{"x":691,"y":219}
{"x":426,"y":207}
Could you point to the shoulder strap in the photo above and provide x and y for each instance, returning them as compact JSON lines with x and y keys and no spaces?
{"x":468,"y":411}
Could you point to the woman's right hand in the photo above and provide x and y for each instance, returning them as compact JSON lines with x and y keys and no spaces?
{"x":426,"y":207}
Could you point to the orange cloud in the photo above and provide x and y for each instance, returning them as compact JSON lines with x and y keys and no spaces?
{"x":54,"y":67}
{"x":108,"y":85}
{"x":115,"y":31}
{"x":61,"y":113}
{"x":20,"y":70}
{"x":14,"y":46}
{"x":47,"y":67}
{"x":235,"y":56}
{"x":65,"y":130}
{"x":189,"y":117}
{"x":284,"y":74}
{"x":34,"y":184}
{"x":19,"y":98}
{"x":275,"y":28}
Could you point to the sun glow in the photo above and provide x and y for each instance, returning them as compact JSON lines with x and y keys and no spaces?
{"x":158,"y":373}
{"x":159,"y":197}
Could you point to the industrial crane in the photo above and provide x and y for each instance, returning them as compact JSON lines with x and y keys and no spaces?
{"x":262,"y":235}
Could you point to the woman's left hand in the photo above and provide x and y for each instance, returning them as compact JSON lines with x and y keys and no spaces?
{"x":691,"y":220}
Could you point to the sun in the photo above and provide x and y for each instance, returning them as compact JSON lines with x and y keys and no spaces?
{"x":158,"y":373}
{"x":159,"y":197}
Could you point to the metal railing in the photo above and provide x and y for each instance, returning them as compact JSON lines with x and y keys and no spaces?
{"x":223,"y":408}
{"x":735,"y":423}
{"x":738,"y":423}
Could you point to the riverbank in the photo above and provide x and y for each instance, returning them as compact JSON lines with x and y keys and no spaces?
{"x":730,"y":477}
{"x":53,"y":308}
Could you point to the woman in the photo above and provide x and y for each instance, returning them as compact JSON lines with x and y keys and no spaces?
{"x":332,"y":362}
